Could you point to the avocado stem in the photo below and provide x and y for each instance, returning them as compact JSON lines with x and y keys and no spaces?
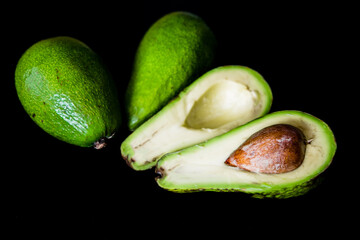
{"x":101,"y":143}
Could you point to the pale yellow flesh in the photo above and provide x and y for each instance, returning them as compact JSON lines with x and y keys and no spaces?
{"x":222,"y":103}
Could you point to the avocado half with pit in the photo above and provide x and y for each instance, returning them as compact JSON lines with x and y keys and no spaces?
{"x":208,"y":166}
{"x":215,"y":103}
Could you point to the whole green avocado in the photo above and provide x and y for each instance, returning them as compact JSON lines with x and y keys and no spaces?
{"x":177,"y":49}
{"x":65,"y":88}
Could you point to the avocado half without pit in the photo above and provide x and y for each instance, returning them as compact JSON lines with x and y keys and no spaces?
{"x":279,"y":155}
{"x":220,"y":100}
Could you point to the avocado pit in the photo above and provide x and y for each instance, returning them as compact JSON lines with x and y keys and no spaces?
{"x":275,"y":149}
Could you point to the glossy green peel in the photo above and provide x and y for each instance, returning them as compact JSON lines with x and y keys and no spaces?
{"x":66,"y":90}
{"x":176,"y":49}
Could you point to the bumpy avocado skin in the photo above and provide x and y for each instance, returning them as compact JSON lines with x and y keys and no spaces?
{"x":65,"y":88}
{"x":174,"y":52}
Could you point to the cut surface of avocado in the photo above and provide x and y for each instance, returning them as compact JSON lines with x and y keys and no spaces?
{"x":224,"y":102}
{"x":217,"y":102}
{"x":202,"y":167}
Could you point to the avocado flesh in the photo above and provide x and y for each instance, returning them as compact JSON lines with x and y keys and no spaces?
{"x":67,"y":91}
{"x":179,"y":124}
{"x":222,"y":103}
{"x":201,"y":167}
{"x":176,"y":50}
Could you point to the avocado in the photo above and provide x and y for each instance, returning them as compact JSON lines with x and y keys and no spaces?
{"x":220,"y":100}
{"x":207,"y":166}
{"x":66,"y":89}
{"x":176,"y":49}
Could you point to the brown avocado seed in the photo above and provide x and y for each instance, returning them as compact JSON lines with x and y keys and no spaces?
{"x":278,"y":148}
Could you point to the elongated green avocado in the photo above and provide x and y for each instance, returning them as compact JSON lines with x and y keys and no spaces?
{"x":176,"y":49}
{"x":202,"y":167}
{"x":66,"y":89}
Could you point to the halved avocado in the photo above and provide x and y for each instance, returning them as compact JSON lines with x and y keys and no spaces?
{"x":215,"y":103}
{"x":202,"y":167}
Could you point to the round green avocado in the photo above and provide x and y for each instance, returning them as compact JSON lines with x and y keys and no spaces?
{"x":65,"y":88}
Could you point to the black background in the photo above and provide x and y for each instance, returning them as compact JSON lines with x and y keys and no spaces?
{"x":299,"y":49}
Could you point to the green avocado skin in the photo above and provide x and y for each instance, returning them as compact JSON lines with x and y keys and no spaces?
{"x":279,"y":193}
{"x":66,"y":90}
{"x":176,"y":49}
